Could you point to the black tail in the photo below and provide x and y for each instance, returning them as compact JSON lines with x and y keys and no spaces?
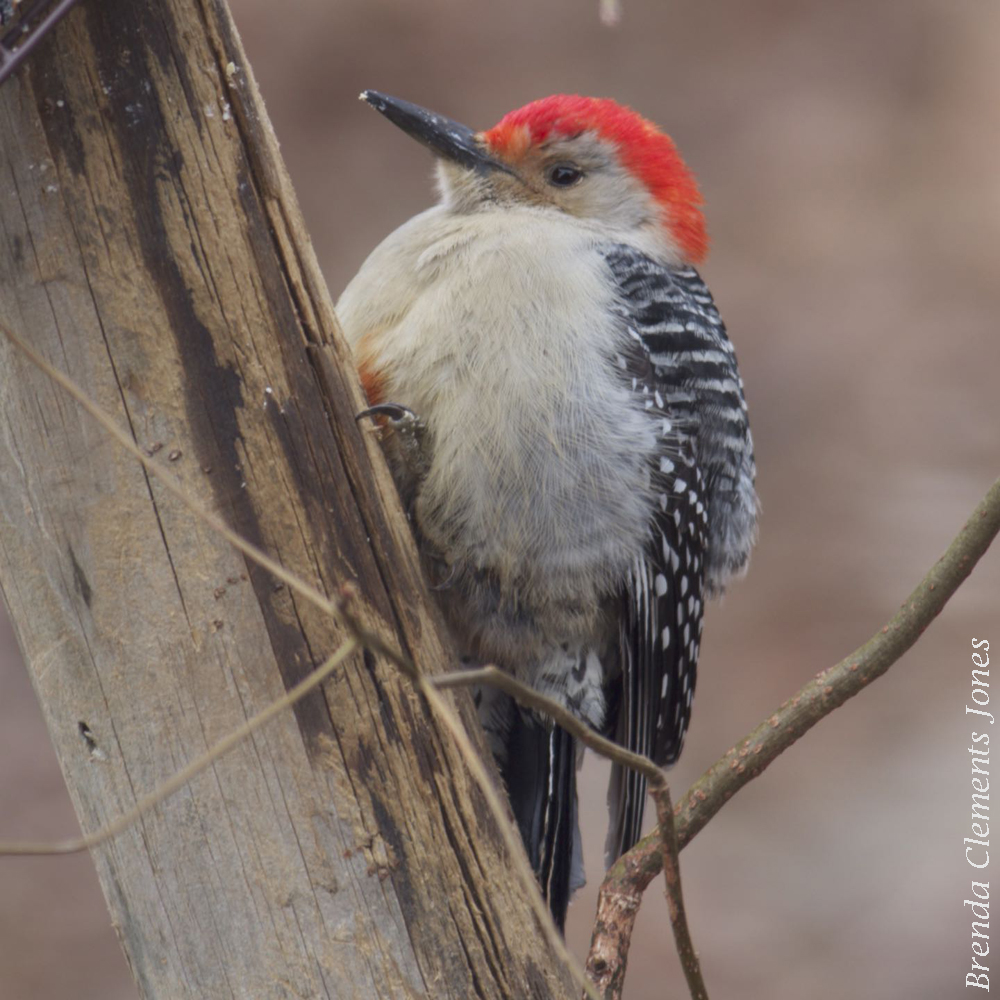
{"x":540,"y":774}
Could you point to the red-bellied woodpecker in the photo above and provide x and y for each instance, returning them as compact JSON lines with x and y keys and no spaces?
{"x":566,"y":423}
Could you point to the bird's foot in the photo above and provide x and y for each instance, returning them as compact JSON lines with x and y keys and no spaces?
{"x":408,"y":453}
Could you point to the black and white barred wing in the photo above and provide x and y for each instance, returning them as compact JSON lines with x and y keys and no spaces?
{"x":681,"y":365}
{"x":659,"y":637}
{"x":694,"y":366}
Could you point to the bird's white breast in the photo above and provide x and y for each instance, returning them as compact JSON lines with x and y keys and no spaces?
{"x":497,"y":329}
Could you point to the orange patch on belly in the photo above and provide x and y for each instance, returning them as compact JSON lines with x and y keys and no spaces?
{"x":372,"y":379}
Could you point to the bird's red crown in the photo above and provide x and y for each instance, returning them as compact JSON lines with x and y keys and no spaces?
{"x":644,"y":150}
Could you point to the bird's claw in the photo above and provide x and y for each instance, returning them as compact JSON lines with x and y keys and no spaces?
{"x":396,"y":412}
{"x":406,"y":450}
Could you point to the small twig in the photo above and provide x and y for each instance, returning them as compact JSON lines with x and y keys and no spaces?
{"x":531,"y":698}
{"x":675,"y":898}
{"x":185,"y":774}
{"x":17,"y":43}
{"x":626,"y":880}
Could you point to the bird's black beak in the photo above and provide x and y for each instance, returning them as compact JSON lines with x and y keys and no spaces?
{"x":441,"y":135}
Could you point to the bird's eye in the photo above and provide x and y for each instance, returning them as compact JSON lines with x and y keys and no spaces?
{"x":564,"y":174}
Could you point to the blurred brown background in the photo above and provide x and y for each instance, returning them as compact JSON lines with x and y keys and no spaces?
{"x":849,"y":153}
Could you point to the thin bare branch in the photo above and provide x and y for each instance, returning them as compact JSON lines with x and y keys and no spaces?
{"x":625,"y":882}
{"x":531,"y":698}
{"x":18,"y":42}
{"x":660,"y":791}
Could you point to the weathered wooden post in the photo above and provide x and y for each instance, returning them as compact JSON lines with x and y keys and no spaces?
{"x":151,"y":247}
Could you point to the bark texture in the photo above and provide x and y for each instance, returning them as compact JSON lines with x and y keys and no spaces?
{"x":151,"y":247}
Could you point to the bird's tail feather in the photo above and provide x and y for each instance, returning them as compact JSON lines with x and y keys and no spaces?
{"x":540,"y":774}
